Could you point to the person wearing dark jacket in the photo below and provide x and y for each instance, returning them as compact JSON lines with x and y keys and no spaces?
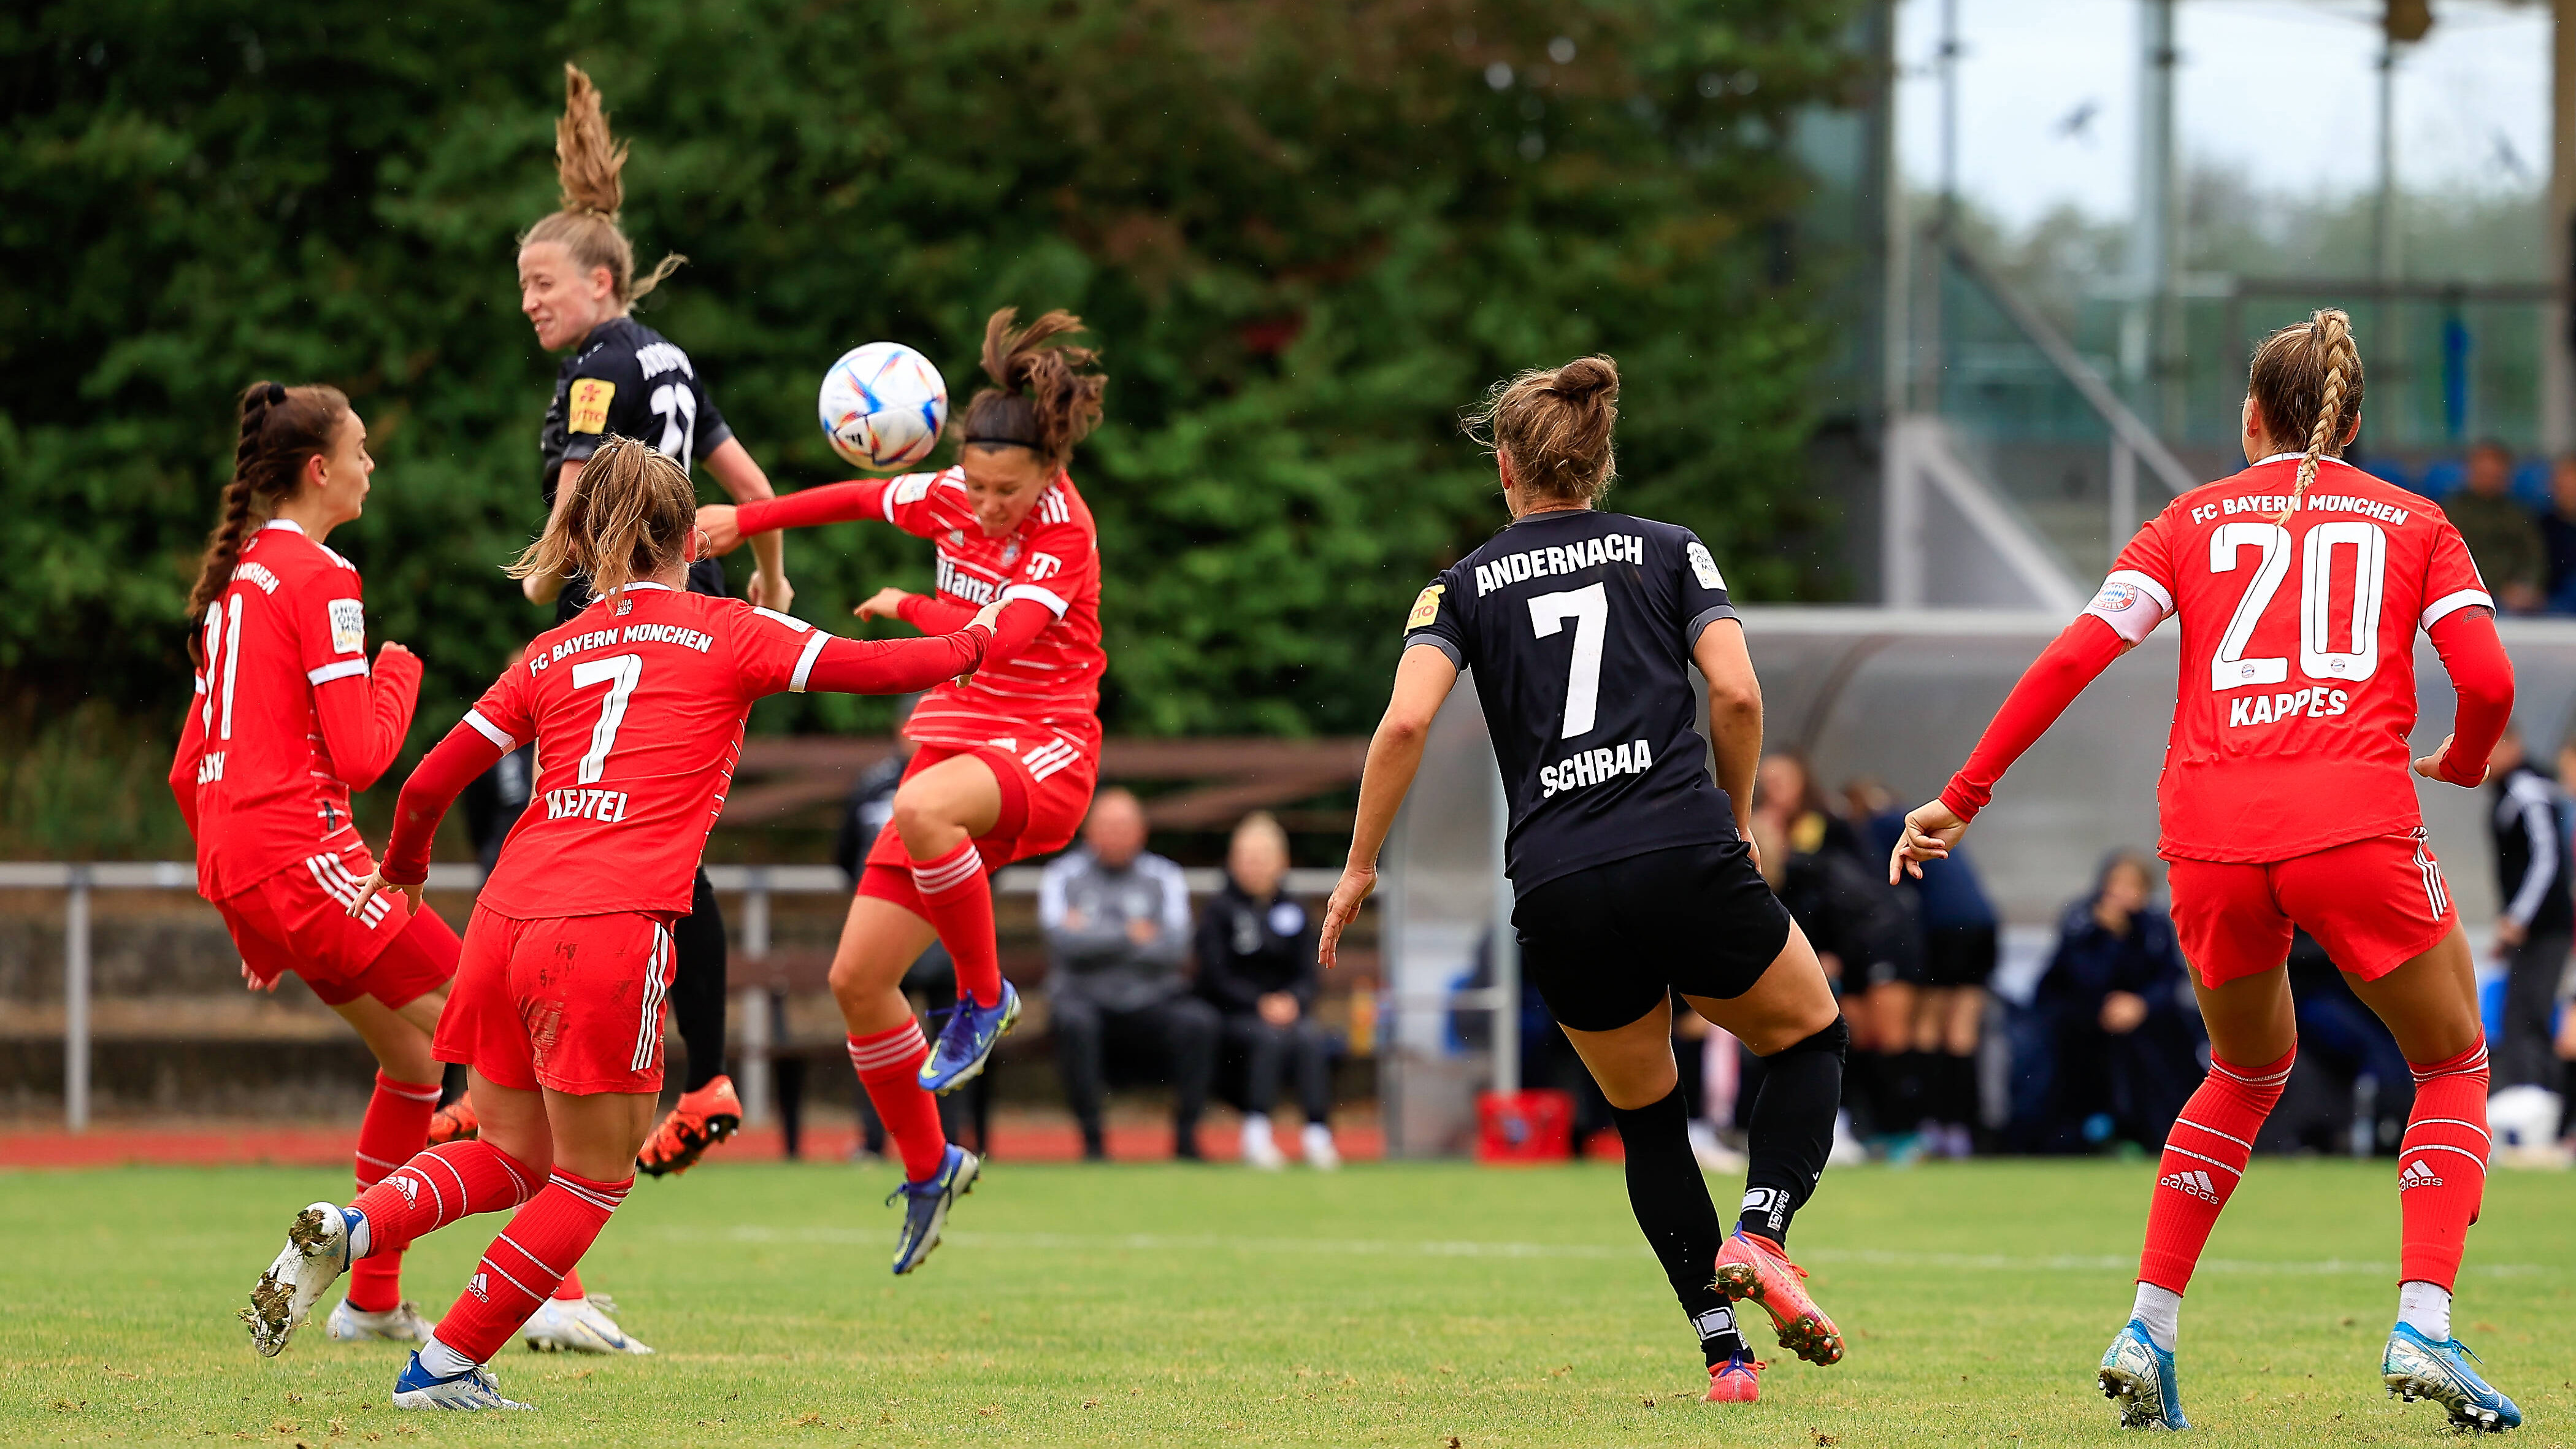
{"x":2125,"y":1047}
{"x":1256,"y":952}
{"x":2536,"y":919}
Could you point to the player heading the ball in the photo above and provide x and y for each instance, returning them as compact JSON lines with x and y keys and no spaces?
{"x":1634,"y":877}
{"x":637,"y":709}
{"x":2298,"y":585}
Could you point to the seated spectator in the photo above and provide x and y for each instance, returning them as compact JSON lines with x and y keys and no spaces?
{"x":2503,"y":540}
{"x":1117,"y":924}
{"x":2558,"y":535}
{"x":1257,"y":967}
{"x":2122,"y":1039}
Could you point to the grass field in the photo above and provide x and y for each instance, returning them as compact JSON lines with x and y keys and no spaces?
{"x":1421,"y":1305}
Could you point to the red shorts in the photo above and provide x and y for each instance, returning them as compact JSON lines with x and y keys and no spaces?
{"x":298,"y":920}
{"x":568,"y":1002}
{"x":2374,"y":905}
{"x":1046,"y":790}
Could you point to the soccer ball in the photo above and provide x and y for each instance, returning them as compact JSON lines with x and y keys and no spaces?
{"x":883,"y":406}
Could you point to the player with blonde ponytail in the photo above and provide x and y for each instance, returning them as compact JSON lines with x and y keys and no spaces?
{"x":2300,"y":584}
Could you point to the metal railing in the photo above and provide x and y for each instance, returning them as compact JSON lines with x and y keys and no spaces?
{"x":756,"y":884}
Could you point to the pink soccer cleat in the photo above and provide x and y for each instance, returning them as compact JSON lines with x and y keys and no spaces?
{"x":1751,"y":1267}
{"x":1736,"y":1381}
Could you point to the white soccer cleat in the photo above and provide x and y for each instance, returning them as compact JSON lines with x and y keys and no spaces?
{"x":315,"y":1255}
{"x":401,"y":1323}
{"x":1317,"y":1144}
{"x":1260,"y":1149}
{"x":1713,"y":1153}
{"x":579,"y":1325}
{"x":476,"y":1388}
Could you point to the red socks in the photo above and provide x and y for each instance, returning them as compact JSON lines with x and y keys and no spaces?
{"x":889,"y":1067}
{"x":528,"y":1261}
{"x":2204,"y":1157}
{"x":570,"y":1289}
{"x":438,"y":1186}
{"x":2442,"y":1168}
{"x":958,"y":901}
{"x":397,"y":1122}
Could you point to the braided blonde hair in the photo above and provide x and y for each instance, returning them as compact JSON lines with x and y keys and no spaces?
{"x":2307,"y":376}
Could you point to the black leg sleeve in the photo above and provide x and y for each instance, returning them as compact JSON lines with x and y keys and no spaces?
{"x":1670,"y":1199}
{"x":1793,"y":1130}
{"x":698,"y":987}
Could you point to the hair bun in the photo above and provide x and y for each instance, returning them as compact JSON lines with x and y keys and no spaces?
{"x":276,"y":393}
{"x":1586,"y":378}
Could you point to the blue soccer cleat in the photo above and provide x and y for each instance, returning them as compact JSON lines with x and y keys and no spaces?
{"x":476,"y":1388}
{"x":2415,"y":1367}
{"x":2139,"y":1377}
{"x":967,"y":1041}
{"x":926,"y":1204}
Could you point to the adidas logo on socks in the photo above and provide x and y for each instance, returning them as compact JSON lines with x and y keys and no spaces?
{"x":2192,"y":1184}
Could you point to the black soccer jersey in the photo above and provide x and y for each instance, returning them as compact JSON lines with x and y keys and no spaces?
{"x":1579,"y":626}
{"x":629,"y":380}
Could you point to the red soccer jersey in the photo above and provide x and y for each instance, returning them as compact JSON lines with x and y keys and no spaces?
{"x":2297,"y":688}
{"x":1052,"y":559}
{"x":637,"y":710}
{"x":286,"y":681}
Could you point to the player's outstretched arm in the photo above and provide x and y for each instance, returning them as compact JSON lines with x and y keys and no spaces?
{"x":1422,"y":680}
{"x":2473,"y":653}
{"x":744,"y":482}
{"x":726,"y":525}
{"x":442,"y":775}
{"x":900,"y":666}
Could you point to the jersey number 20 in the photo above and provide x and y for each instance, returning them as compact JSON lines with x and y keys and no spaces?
{"x":2369,"y":543}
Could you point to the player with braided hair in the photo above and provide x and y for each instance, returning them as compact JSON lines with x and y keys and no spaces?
{"x":289,"y":717}
{"x":2300,"y":583}
{"x":1007,"y":760}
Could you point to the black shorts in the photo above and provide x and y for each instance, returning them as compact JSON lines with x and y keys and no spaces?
{"x":1958,"y":955}
{"x":1604,"y":945}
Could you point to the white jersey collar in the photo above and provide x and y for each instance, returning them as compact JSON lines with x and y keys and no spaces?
{"x":289,"y":524}
{"x":661,"y":588}
{"x":2294,"y":457}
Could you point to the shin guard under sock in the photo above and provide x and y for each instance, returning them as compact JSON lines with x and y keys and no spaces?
{"x":1670,"y":1199}
{"x":523,"y":1266}
{"x":1792,"y":1130}
{"x":889,"y":1068}
{"x":438,"y":1186}
{"x":2442,"y":1166}
{"x":2204,"y":1158}
{"x":397,"y":1122}
{"x":958,"y":901}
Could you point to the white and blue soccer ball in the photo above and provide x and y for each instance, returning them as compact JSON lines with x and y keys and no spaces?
{"x":883,"y":406}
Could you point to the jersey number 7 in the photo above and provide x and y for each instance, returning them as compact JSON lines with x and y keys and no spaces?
{"x":621,"y":674}
{"x":1589,"y":608}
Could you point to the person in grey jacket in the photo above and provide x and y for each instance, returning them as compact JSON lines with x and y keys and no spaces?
{"x":1117,"y":923}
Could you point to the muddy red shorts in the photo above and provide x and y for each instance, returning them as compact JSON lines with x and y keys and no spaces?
{"x":2373,"y":904}
{"x":298,"y":920}
{"x":1046,"y":790}
{"x":568,"y":1002}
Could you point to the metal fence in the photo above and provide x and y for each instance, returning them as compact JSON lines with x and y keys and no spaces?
{"x":756,"y":884}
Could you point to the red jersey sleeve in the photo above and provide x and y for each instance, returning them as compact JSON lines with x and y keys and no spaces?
{"x":2451,"y":581}
{"x":2139,"y":594}
{"x":192,"y":747}
{"x":363,"y":712}
{"x":775,"y":653}
{"x":498,"y":723}
{"x":807,"y":507}
{"x":1060,"y":564}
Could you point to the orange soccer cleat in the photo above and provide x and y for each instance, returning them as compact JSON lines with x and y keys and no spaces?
{"x":1750,"y":1267}
{"x":1736,"y":1381}
{"x":700,"y":1120}
{"x":455,"y":1122}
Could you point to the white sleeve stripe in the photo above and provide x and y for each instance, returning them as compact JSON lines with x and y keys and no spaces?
{"x":2540,"y":828}
{"x":790,"y":620}
{"x":1055,"y":602}
{"x":889,"y":500}
{"x":805,"y":661}
{"x":2449,"y":604}
{"x":346,"y":668}
{"x":489,"y":730}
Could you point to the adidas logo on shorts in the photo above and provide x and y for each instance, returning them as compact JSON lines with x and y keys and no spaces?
{"x":2192,"y":1184}
{"x":2416,"y":1174}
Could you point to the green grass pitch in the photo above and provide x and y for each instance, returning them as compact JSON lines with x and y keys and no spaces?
{"x":1399,"y":1305}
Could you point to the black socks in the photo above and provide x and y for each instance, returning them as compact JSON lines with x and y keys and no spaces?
{"x":698,"y":987}
{"x":1791,"y":1130}
{"x":1673,"y":1209}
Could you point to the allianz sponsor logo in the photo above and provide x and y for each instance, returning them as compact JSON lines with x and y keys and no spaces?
{"x":1536,"y":563}
{"x":657,"y":358}
{"x":2192,"y":1184}
{"x":1591,"y":767}
{"x":954,"y":580}
{"x":2417,"y":1174}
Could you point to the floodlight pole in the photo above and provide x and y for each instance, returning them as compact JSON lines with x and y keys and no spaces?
{"x":2143,"y":339}
{"x":2558,"y":336}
